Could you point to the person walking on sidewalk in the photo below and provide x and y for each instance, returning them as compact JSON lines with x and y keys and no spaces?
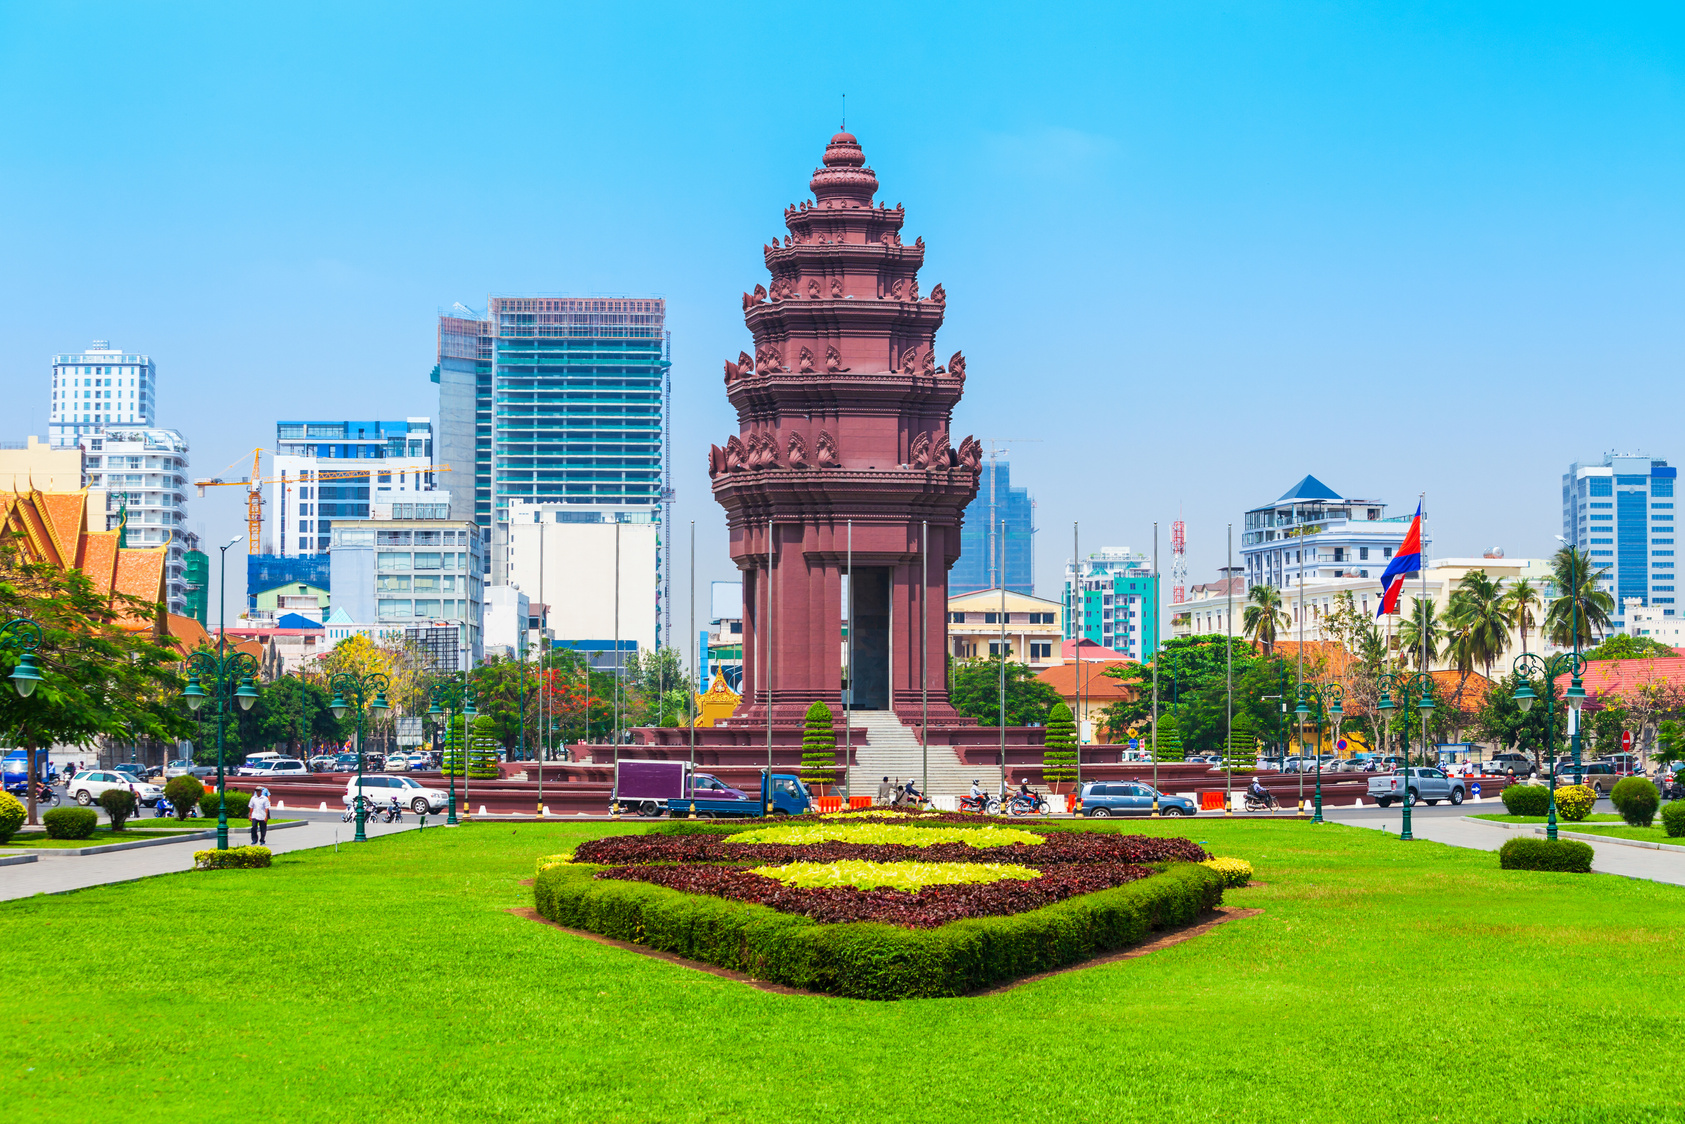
{"x":259,"y":812}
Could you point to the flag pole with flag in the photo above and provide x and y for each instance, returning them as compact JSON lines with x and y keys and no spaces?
{"x":1408,"y":560}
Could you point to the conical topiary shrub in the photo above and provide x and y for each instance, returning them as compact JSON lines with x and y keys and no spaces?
{"x":482,"y":750}
{"x":1240,"y":748}
{"x":1170,"y":746}
{"x":819,"y":746}
{"x":1059,"y":753}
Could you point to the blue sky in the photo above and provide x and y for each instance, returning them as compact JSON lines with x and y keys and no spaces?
{"x":1192,"y":251}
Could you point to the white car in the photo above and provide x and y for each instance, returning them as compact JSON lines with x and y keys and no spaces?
{"x":272,"y":767}
{"x":87,"y":786}
{"x":411,"y":793}
{"x":181,"y":768}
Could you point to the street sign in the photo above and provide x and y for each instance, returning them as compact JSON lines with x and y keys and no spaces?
{"x":1626,"y":739}
{"x":1134,"y":743}
{"x":1340,"y":745}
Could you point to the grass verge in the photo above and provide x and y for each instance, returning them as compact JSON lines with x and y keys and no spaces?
{"x":1651,"y":834}
{"x":1595,"y":817}
{"x":394,"y":965}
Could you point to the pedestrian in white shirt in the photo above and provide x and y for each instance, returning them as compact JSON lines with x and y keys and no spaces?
{"x":259,"y":812}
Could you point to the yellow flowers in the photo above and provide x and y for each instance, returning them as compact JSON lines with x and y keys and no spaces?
{"x":987,"y":836}
{"x":1235,"y":872}
{"x":893,"y":876}
{"x":1575,"y":801}
{"x":545,"y":862}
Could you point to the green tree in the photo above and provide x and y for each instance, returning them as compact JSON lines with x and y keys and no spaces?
{"x":976,"y":693}
{"x":1578,"y":599}
{"x":1421,"y":620}
{"x":273,"y":720}
{"x":1240,"y":747}
{"x":1519,"y":603}
{"x":1501,"y":720}
{"x":1620,"y":646}
{"x":1478,"y":621}
{"x":1169,"y":739}
{"x":1059,"y":755}
{"x":819,"y":746}
{"x":653,"y":681}
{"x":1607,"y":724}
{"x":482,"y":749}
{"x":1264,"y":616}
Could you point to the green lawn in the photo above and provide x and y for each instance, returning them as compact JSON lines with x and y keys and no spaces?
{"x":388,"y":978}
{"x":1651,"y":834}
{"x":1595,"y":817}
{"x":102,"y":835}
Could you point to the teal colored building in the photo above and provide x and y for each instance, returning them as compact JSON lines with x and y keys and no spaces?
{"x":1114,"y":603}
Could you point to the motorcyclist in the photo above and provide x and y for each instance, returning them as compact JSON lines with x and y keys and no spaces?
{"x":1258,"y":792}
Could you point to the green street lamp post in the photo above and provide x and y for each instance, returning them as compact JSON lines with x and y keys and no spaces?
{"x":452,"y":695}
{"x":1419,"y":684}
{"x":351,"y":691}
{"x":1548,"y":668}
{"x":227,"y":675}
{"x":24,"y":634}
{"x":1319,"y":702}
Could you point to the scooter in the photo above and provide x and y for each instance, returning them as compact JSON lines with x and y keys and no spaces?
{"x":1254,"y":803}
{"x":163,"y":808}
{"x":981,"y":805}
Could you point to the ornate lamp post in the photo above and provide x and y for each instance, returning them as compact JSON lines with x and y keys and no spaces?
{"x":451,"y":695}
{"x":358,"y":688}
{"x":228,"y":675}
{"x":24,"y":634}
{"x":1319,"y":701}
{"x":1531,"y":663}
{"x":1420,"y":684}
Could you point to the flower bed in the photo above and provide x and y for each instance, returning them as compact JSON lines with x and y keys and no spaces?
{"x":1055,"y":847}
{"x":923,"y":909}
{"x":894,"y":876}
{"x":915,"y":835}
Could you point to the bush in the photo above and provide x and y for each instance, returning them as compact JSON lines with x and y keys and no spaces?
{"x":1059,"y":746}
{"x":238,"y":802}
{"x":183,"y":793}
{"x":70,"y":823}
{"x":234,"y":857}
{"x":12,"y":815}
{"x":482,"y":749}
{"x":868,"y":960}
{"x":1673,"y":819}
{"x":1565,"y":855}
{"x":1636,"y":799}
{"x":1235,"y":872}
{"x":1526,"y":799}
{"x":119,"y":804}
{"x":1575,"y":801}
{"x":819,"y":746}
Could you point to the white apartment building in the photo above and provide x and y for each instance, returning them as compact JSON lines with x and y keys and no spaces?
{"x":99,"y":388}
{"x":1656,"y":623}
{"x":143,"y":472}
{"x":330,"y":470}
{"x":1313,"y":529}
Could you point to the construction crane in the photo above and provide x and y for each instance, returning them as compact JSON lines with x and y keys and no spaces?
{"x":254,"y":490}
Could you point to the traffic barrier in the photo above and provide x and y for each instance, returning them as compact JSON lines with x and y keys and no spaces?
{"x":482,"y":809}
{"x":324,"y":806}
{"x":1210,"y":801}
{"x":544,"y":810}
{"x":859,"y":801}
{"x":828,"y":803}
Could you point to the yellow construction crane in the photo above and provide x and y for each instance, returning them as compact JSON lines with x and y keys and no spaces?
{"x":254,"y":490}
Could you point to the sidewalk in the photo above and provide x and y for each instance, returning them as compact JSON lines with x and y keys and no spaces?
{"x":55,"y":873}
{"x":1609,"y":858}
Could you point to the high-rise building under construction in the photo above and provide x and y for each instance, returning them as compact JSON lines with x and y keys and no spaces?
{"x":558,"y":406}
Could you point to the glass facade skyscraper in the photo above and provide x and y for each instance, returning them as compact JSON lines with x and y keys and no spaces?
{"x":1620,"y":512}
{"x":980,"y":562}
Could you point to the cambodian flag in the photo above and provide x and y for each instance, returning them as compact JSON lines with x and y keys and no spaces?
{"x":1407,"y":561}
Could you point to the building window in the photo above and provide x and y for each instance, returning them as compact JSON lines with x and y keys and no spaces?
{"x":991,"y":618}
{"x":994,"y":648}
{"x":1041,"y":651}
{"x":1363,"y":555}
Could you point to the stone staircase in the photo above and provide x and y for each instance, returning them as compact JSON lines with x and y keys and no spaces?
{"x":892,"y":750}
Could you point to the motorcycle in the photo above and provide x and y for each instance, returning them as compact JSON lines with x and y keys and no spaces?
{"x":162,"y":808}
{"x":1255,"y":803}
{"x":980,"y":805}
{"x":1021,"y":805}
{"x":45,"y":796}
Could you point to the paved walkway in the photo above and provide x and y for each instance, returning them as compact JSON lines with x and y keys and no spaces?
{"x":1608,"y":858}
{"x":55,"y":873}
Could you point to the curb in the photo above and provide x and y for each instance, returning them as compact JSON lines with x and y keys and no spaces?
{"x":14,"y":860}
{"x":134,"y":844}
{"x":1587,"y":838}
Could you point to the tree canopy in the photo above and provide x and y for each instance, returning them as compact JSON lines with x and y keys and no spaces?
{"x":975,"y":691}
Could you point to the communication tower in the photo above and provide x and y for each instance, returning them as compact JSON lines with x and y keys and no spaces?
{"x":1178,"y":562}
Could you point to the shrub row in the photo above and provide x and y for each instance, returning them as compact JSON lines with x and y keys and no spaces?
{"x":241,"y":857}
{"x":1566,"y":855}
{"x":868,"y":960}
{"x":1673,"y":819}
{"x":70,"y":823}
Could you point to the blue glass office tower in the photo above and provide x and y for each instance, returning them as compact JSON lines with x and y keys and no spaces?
{"x":1620,"y":512}
{"x":556,"y":400}
{"x":979,"y":565}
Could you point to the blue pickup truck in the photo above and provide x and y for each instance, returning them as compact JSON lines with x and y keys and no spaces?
{"x":789,"y":797}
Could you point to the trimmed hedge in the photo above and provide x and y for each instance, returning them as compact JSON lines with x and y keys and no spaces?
{"x":1526,"y":799}
{"x":233,"y":858}
{"x":12,"y":815}
{"x":1575,"y":801}
{"x":238,"y":802}
{"x":866,"y":960}
{"x":183,"y":792}
{"x":70,"y":823}
{"x":1673,"y":819}
{"x":1565,"y":855}
{"x":1636,"y":799}
{"x":120,"y":804}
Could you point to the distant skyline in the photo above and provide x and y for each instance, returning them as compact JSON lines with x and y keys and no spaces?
{"x":1192,"y":253}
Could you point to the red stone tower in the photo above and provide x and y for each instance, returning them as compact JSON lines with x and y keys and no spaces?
{"x":843,"y":415}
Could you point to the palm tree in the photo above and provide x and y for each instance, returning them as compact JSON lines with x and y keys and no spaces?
{"x":1577,"y":595}
{"x":1519,"y":603}
{"x":1264,"y":616}
{"x":1422,"y":620}
{"x":1478,"y":621}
